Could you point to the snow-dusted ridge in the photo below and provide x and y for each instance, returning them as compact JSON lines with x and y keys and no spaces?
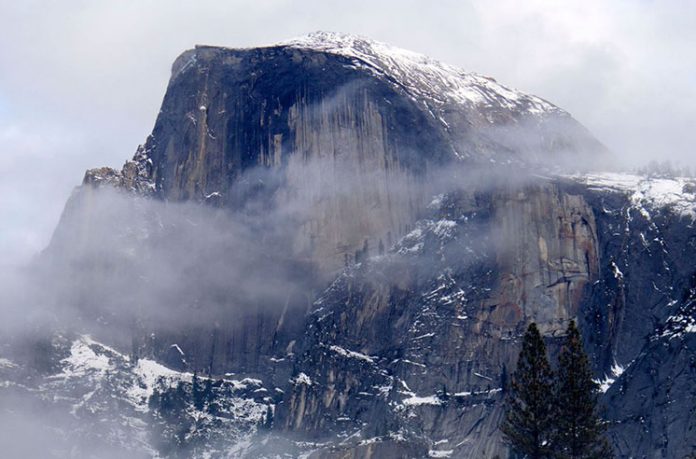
{"x":648,"y":193}
{"x":423,"y":78}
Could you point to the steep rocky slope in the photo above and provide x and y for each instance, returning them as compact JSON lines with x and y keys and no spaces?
{"x":344,"y":242}
{"x":328,"y":146}
{"x":361,"y":121}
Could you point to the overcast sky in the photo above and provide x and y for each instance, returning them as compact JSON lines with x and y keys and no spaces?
{"x":81,"y":81}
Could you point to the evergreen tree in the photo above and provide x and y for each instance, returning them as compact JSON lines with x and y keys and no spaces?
{"x":528,"y":426}
{"x":579,"y":430}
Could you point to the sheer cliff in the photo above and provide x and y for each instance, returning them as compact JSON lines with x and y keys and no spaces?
{"x":325,"y":111}
{"x":330,"y":247}
{"x":330,"y":146}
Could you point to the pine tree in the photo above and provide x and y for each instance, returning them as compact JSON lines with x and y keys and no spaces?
{"x":579,"y":430}
{"x":528,"y":425}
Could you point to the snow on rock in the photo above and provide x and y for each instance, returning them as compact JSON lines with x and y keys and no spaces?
{"x":444,"y":228}
{"x":617,"y":272}
{"x":426,"y":80}
{"x":616,"y":371}
{"x":648,"y":193}
{"x":351,"y":354}
{"x":149,"y":375}
{"x":302,"y":378}
{"x":98,"y":385}
{"x":150,"y":372}
{"x":678,"y":325}
{"x":415,"y":400}
{"x":436,"y":202}
{"x":414,"y":242}
{"x":4,"y":363}
{"x":440,"y":452}
{"x":476,"y":393}
{"x":84,"y":360}
{"x":177,"y":349}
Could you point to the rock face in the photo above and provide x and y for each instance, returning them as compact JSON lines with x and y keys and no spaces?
{"x":361,"y":122}
{"x":340,"y":141}
{"x":347,"y":224}
{"x":548,"y":255}
{"x":416,"y":345}
{"x":418,"y":342}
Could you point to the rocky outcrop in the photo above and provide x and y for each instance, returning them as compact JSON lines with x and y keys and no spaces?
{"x":135,"y":176}
{"x":548,"y":255}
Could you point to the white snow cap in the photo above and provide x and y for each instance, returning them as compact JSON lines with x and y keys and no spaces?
{"x":422,"y":77}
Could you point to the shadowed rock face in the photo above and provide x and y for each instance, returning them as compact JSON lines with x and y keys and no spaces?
{"x":323,"y":155}
{"x":281,"y":124}
{"x":353,"y":128}
{"x":338,"y":143}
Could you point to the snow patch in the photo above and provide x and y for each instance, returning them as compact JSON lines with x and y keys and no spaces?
{"x":440,"y":453}
{"x":647,"y":193}
{"x":415,"y":400}
{"x":444,"y":228}
{"x":678,"y":325}
{"x":302,"y":378}
{"x":177,"y":349}
{"x":351,"y":354}
{"x":481,"y":392}
{"x":149,"y":375}
{"x":4,"y":363}
{"x":83,"y":361}
{"x":483,"y":376}
{"x":436,"y":203}
{"x":616,"y":371}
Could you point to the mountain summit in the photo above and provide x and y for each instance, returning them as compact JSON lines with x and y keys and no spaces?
{"x":427,"y":81}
